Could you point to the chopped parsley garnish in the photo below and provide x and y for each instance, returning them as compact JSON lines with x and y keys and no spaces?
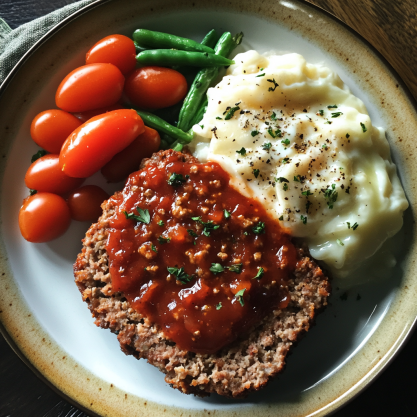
{"x":285,"y":142}
{"x":297,"y":178}
{"x":286,"y":160}
{"x":273,"y":116}
{"x":254,"y":133}
{"x":192,"y":233}
{"x":261,"y":75}
{"x":332,"y":107}
{"x":260,"y":273}
{"x":161,"y":223}
{"x":227,"y":214}
{"x":353,"y":227}
{"x":281,"y":217}
{"x":144,"y":216}
{"x":328,"y":122}
{"x":321,"y":112}
{"x":256,"y":173}
{"x":239,"y":296}
{"x":218,"y":118}
{"x":231,"y":112}
{"x":162,"y":240}
{"x":307,"y":193}
{"x":331,"y":195}
{"x":285,"y":186}
{"x":219,"y":306}
{"x":303,"y":219}
{"x":337,"y":114}
{"x":276,"y":134}
{"x":38,"y":155}
{"x":238,"y":38}
{"x":339,"y":242}
{"x":32,"y":192}
{"x":208,"y":227}
{"x":235,"y":268}
{"x":275,"y":84}
{"x":202,"y":127}
{"x":177,"y":180}
{"x":216,"y":268}
{"x":242,"y":151}
{"x":364,"y":129}
{"x":267,"y":146}
{"x":324,"y":147}
{"x":347,"y":136}
{"x":281,"y":179}
{"x":153,"y":247}
{"x":259,"y":228}
{"x":180,"y":274}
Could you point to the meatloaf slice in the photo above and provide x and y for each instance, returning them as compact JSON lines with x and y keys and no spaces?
{"x":243,"y":366}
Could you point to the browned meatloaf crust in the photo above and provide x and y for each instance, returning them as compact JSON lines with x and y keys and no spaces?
{"x":245,"y":365}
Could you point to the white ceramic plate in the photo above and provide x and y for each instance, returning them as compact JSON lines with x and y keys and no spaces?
{"x":41,"y":308}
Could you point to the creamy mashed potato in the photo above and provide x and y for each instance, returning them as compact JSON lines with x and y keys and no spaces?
{"x":293,"y":135}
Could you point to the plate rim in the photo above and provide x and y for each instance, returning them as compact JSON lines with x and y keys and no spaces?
{"x":98,"y":3}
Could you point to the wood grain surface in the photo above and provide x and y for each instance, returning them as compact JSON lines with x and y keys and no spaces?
{"x":391,"y":27}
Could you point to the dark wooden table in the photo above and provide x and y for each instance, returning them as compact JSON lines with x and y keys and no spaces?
{"x":391,"y":27}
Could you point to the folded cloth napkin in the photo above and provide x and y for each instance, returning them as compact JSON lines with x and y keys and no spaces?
{"x":14,"y":43}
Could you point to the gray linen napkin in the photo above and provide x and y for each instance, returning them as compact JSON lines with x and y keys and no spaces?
{"x":14,"y":43}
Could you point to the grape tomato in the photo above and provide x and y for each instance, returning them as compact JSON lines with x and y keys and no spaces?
{"x":90,"y":87}
{"x":95,"y":142}
{"x":118,"y":50}
{"x":43,"y":217}
{"x":50,"y":128}
{"x":128,"y":160}
{"x":84,"y":203}
{"x":155,"y":87}
{"x":46,"y":175}
{"x":87,"y":115}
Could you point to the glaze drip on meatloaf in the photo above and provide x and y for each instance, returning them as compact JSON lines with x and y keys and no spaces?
{"x":255,"y":354}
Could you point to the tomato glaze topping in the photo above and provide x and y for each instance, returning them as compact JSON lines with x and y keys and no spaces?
{"x":194,"y":256}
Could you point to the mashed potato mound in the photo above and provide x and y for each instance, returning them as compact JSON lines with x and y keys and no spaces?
{"x":293,"y":135}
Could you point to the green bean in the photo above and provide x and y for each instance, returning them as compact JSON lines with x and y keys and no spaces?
{"x":170,"y":57}
{"x":177,"y":146}
{"x":190,"y":72}
{"x":210,"y":39}
{"x":139,"y":48}
{"x":200,"y":112}
{"x":195,"y":96}
{"x":159,"y":40}
{"x":157,"y":123}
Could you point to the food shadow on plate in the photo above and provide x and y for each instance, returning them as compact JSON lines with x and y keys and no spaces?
{"x":352,"y":316}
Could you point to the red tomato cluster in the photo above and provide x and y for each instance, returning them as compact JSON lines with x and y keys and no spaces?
{"x":91,"y":130}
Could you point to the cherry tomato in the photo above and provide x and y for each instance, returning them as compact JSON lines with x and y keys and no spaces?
{"x":128,"y":161}
{"x":46,"y":175}
{"x":87,"y":115}
{"x":95,"y":142}
{"x":50,"y":128}
{"x":43,"y":217}
{"x":85,"y":203}
{"x":90,"y":87}
{"x":155,"y":87}
{"x":118,"y":50}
